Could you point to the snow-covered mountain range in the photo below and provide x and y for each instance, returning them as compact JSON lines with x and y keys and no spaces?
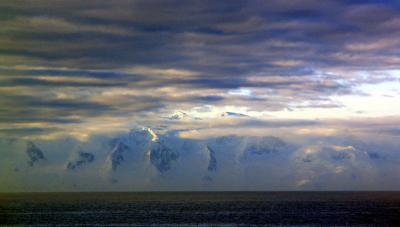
{"x":144,"y":158}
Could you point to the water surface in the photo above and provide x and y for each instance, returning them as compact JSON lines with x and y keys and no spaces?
{"x":200,"y":208}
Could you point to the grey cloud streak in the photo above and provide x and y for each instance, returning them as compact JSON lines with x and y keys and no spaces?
{"x":128,"y":57}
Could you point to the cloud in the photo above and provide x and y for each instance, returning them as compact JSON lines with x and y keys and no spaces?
{"x":24,"y":131}
{"x":55,"y":83}
{"x":43,"y":24}
{"x":72,"y":63}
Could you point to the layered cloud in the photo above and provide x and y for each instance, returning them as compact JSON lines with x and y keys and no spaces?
{"x":120,"y":59}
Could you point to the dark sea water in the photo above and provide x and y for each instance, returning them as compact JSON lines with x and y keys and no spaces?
{"x":201,"y":209}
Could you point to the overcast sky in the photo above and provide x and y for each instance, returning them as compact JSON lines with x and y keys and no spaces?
{"x":73,"y":65}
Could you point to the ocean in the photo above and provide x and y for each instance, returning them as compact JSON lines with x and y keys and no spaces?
{"x":201,"y":209}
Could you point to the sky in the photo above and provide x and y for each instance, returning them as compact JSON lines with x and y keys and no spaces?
{"x":323,"y":76}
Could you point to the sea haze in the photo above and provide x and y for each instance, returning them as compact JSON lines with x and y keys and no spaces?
{"x":200,"y":208}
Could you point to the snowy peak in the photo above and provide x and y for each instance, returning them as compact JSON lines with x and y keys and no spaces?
{"x":233,"y":114}
{"x":162,"y":156}
{"x":212,"y":162}
{"x":83,"y":159}
{"x":154,"y":136}
{"x":334,"y":153}
{"x":141,"y":136}
{"x":34,"y":153}
{"x":118,"y":155}
{"x":264,"y":145}
{"x":130,"y":148}
{"x":181,"y":116}
{"x":228,"y":141}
